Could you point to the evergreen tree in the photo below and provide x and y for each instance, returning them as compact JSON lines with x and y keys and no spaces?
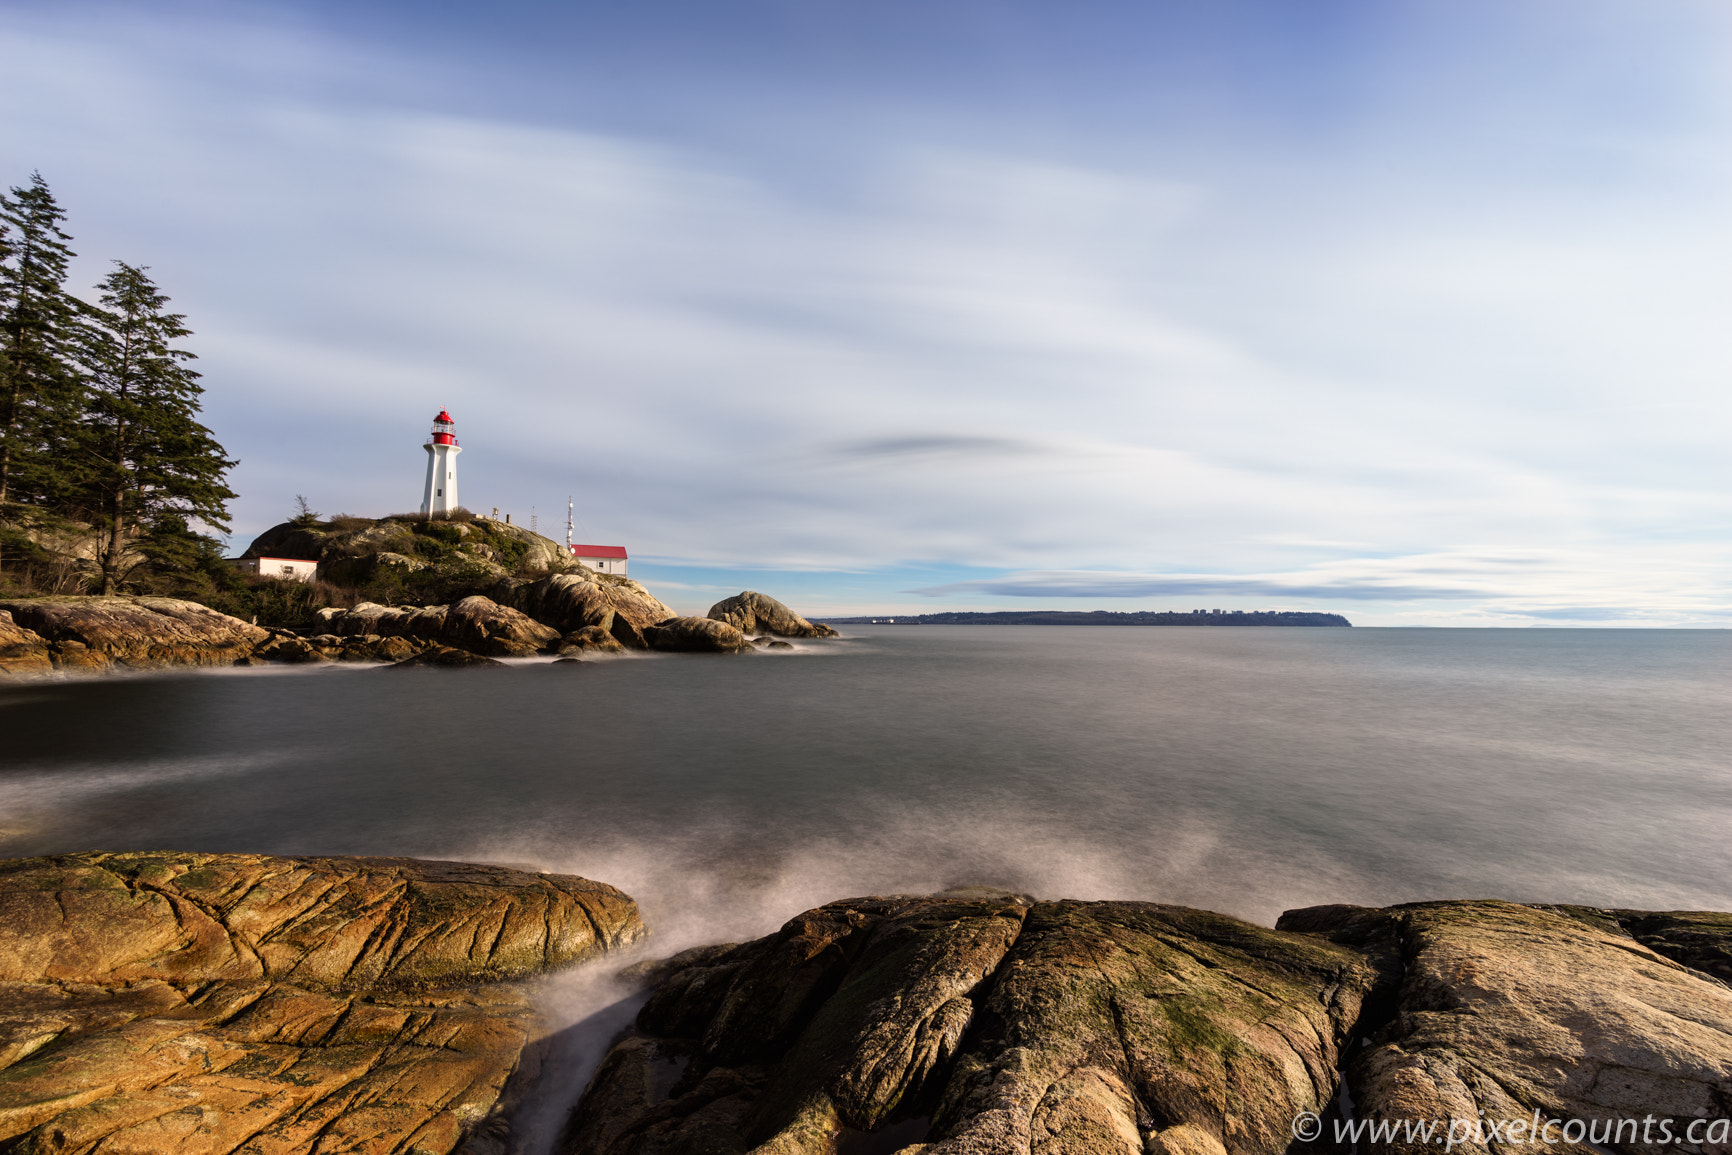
{"x":37,"y":318}
{"x":144,"y":462}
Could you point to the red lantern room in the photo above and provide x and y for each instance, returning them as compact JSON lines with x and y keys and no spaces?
{"x":444,"y":429}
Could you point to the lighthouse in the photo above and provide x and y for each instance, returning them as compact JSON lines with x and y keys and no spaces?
{"x":440,"y":495}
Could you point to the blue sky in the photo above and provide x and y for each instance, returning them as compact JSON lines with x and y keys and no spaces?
{"x":1411,"y":311}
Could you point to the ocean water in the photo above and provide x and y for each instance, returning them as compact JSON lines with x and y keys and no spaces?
{"x":1244,"y":770}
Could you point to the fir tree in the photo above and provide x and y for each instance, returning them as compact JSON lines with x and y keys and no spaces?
{"x":37,"y":318}
{"x":144,"y":461}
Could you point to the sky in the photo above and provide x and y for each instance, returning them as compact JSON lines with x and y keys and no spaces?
{"x":1409,"y":311}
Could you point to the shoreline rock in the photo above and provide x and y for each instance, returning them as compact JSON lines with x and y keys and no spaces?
{"x":157,"y":1001}
{"x":140,"y":633}
{"x":751,"y":612}
{"x":963,"y":1024}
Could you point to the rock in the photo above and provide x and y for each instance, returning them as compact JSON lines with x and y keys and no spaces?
{"x":95,"y":633}
{"x":445,"y":656}
{"x":569,"y":602}
{"x":168,"y":1002}
{"x":1699,"y":939}
{"x":343,"y":923}
{"x":1043,"y":1027}
{"x":290,"y":649}
{"x":22,"y":651}
{"x":696,"y":635}
{"x":483,"y":626}
{"x":477,"y":624}
{"x":590,"y":639}
{"x":290,"y":539}
{"x":755,"y":613}
{"x":1512,"y":1010}
{"x":771,"y":644}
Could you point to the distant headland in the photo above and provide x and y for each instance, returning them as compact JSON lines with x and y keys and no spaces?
{"x":1103,"y":618}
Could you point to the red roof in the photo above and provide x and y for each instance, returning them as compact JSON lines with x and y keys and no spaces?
{"x":598,"y":551}
{"x":443,"y":418}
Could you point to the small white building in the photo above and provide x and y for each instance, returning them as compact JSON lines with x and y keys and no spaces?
{"x":286,"y":568}
{"x":601,"y":558}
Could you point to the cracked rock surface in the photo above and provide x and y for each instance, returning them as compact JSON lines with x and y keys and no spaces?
{"x":970,"y":1023}
{"x":984,"y":1024}
{"x":1565,"y":1012}
{"x":212,"y":1002}
{"x":100,"y":633}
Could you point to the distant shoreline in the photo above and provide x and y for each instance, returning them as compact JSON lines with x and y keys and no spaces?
{"x":1099,"y":618}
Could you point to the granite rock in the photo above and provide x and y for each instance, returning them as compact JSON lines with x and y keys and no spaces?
{"x":22,"y":652}
{"x":181,"y":1002}
{"x":696,"y":636}
{"x":985,"y":1024}
{"x":755,"y":613}
{"x":100,"y":633}
{"x":1522,"y":1012}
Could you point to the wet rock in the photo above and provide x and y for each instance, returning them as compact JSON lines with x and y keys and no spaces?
{"x":696,"y":635}
{"x":1511,"y":1010}
{"x":22,"y":652}
{"x":446,"y":656}
{"x":168,"y":1002}
{"x":771,"y":644}
{"x":95,"y":633}
{"x":755,"y":613}
{"x":290,"y":649}
{"x":1051,"y":1027}
{"x":590,"y":639}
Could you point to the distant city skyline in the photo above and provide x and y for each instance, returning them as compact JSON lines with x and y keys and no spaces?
{"x":1412,"y":312}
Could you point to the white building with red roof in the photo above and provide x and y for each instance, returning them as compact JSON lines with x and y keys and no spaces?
{"x":601,"y":558}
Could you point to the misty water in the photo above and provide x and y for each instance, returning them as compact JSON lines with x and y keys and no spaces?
{"x":1242,"y":769}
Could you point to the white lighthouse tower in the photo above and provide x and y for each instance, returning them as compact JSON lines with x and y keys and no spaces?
{"x":440,"y":495}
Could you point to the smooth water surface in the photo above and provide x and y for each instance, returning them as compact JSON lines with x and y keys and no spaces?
{"x":1248,"y":770}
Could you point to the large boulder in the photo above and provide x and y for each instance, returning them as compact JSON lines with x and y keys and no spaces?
{"x":985,"y":1024}
{"x":755,"y":613}
{"x":97,"y":633}
{"x":1511,"y":1013}
{"x":22,"y":651}
{"x":569,"y":602}
{"x":168,"y":1002}
{"x":696,"y":636}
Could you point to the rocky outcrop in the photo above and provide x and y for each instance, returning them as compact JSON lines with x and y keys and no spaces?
{"x":985,"y":1024}
{"x":167,"y":1002}
{"x":477,"y":624}
{"x":696,"y":636}
{"x":99,"y":633}
{"x":570,"y":602}
{"x":755,"y":613}
{"x":448,"y":657}
{"x":1522,"y":1012}
{"x":969,"y":1023}
{"x":589,"y":640}
{"x":22,"y":652}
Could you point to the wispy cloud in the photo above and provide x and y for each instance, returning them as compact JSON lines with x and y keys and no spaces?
{"x":1338,"y":361}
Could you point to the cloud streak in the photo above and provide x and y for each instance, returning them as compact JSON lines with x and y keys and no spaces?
{"x":1284,"y":349}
